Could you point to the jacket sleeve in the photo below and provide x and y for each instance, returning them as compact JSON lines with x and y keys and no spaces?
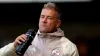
{"x":69,"y":48}
{"x":75,"y":53}
{"x":8,"y":50}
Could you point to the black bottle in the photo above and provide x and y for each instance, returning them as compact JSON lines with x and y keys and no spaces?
{"x":23,"y":47}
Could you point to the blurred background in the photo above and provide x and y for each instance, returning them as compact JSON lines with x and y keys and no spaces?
{"x":79,"y":21}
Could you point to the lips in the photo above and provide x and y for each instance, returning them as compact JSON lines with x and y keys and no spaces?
{"x":44,"y":25}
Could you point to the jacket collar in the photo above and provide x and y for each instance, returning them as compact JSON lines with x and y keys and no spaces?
{"x":58,"y":33}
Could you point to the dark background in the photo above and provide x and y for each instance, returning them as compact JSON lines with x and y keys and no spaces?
{"x":79,"y":21}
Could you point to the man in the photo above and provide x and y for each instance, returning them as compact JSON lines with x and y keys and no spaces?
{"x":49,"y":40}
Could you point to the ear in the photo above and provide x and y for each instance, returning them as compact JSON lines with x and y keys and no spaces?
{"x":58,"y":23}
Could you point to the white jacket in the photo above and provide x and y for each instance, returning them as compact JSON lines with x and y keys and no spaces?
{"x":45,"y":44}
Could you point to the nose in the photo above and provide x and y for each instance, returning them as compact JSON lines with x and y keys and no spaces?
{"x":44,"y":20}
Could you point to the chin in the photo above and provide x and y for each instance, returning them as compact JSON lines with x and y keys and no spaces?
{"x":43,"y":31}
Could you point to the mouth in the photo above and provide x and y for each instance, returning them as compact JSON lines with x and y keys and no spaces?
{"x":44,"y":25}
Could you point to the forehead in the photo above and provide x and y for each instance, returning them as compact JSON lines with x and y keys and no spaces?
{"x":47,"y":11}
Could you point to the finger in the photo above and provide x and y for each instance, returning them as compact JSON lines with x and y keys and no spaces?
{"x":21,"y":39}
{"x":19,"y":42}
{"x":24,"y":36}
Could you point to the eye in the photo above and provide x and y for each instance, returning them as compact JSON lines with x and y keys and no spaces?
{"x":42,"y":16}
{"x":49,"y":17}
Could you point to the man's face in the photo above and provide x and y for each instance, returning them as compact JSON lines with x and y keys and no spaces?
{"x":48,"y":21}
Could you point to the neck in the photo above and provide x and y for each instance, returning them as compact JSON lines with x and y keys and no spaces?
{"x":48,"y":31}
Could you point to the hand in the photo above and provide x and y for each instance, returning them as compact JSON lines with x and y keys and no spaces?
{"x":19,"y":40}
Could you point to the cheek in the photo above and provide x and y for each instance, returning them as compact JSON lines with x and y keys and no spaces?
{"x":39,"y":20}
{"x":52,"y":24}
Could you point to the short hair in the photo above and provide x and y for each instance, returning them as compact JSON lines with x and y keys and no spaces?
{"x":53,"y":6}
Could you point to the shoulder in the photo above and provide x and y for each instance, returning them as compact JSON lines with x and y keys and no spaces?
{"x":68,"y":46}
{"x":65,"y":41}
